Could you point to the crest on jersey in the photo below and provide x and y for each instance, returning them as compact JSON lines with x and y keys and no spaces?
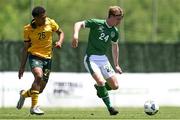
{"x":101,"y":28}
{"x":112,"y":34}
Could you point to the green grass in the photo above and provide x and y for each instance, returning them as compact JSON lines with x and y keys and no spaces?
{"x":168,"y":113}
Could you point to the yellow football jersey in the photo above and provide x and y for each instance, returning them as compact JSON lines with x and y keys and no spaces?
{"x":41,"y":38}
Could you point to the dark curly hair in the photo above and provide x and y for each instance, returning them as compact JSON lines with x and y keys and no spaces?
{"x":37,"y":11}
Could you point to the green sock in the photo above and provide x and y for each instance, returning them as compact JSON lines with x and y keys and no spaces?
{"x":107,"y":102}
{"x":107,"y":86}
{"x":103,"y":93}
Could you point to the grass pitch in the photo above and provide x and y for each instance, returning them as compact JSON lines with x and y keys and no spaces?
{"x":168,"y":113}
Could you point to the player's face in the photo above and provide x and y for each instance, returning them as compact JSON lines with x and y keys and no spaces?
{"x":117,"y":19}
{"x":41,"y":19}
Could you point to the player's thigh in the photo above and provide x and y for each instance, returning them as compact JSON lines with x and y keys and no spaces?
{"x":107,"y":70}
{"x":113,"y":82}
{"x":46,"y":73}
{"x":109,"y":74}
{"x":46,"y":69}
{"x":94,"y":70}
{"x":36,"y":66}
{"x":98,"y":78}
{"x":38,"y":72}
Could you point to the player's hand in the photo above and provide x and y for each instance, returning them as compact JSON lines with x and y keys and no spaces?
{"x":58,"y":44}
{"x":74,"y":43}
{"x":21,"y":71}
{"x":118,"y":69}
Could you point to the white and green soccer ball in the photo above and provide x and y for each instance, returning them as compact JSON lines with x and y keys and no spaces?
{"x":151,"y":107}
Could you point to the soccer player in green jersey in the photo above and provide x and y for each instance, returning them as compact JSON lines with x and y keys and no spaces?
{"x":102,"y":34}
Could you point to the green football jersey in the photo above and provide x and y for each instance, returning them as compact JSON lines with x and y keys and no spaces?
{"x":100,"y":36}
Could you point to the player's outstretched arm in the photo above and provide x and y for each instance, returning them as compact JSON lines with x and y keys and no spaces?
{"x":60,"y":41}
{"x":115,"y":53}
{"x":77,"y":27}
{"x":23,"y":59}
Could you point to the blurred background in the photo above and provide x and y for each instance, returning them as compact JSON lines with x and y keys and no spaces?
{"x":149,"y":33}
{"x":149,"y":37}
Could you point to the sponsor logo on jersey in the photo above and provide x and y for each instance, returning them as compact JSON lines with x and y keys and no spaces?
{"x":112,"y":34}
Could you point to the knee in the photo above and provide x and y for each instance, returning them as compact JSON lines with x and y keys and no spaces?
{"x":38,"y":77}
{"x":115,"y":87}
{"x":40,"y":91}
{"x":100,"y":83}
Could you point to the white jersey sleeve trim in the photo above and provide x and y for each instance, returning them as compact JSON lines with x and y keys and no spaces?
{"x":83,"y":23}
{"x":114,"y":42}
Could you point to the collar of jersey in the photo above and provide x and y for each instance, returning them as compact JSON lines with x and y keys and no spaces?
{"x":107,"y":24}
{"x":46,"y":22}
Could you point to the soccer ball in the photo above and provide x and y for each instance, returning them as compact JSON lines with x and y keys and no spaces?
{"x":150,"y":107}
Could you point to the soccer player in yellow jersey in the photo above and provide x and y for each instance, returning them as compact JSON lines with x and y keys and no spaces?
{"x":38,"y":47}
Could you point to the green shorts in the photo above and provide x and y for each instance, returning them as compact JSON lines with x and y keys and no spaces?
{"x":43,"y":63}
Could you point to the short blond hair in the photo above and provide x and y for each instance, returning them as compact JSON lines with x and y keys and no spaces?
{"x":114,"y":9}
